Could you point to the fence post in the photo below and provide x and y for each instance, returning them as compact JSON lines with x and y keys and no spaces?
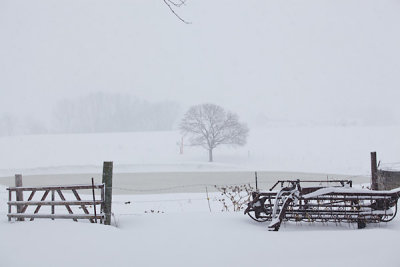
{"x":53,"y":198}
{"x":374,"y":172}
{"x":107,"y":181}
{"x":19,"y":194}
{"x":9,"y":206}
{"x":256,"y":181}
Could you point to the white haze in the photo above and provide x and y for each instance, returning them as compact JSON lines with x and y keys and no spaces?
{"x":273,"y":62}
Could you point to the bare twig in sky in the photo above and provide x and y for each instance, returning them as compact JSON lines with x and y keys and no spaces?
{"x":176,"y":4}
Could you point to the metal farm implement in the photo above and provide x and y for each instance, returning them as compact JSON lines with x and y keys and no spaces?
{"x":337,"y":202}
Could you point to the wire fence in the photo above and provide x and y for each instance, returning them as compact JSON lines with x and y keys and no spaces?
{"x":161,"y":189}
{"x":214,"y":197}
{"x":181,"y":202}
{"x":184,"y":201}
{"x":249,"y":183}
{"x":158,"y":200}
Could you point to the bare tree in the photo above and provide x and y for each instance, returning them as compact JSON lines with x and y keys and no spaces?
{"x":210,"y":125}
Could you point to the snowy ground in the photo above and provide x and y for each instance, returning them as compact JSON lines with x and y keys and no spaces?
{"x":329,"y":150}
{"x":175,"y":227}
{"x":186,"y":233}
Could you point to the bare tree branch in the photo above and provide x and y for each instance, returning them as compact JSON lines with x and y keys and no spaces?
{"x":177,"y":4}
{"x":170,"y":4}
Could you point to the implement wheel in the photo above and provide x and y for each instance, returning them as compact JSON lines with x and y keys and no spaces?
{"x":255,"y":218}
{"x":388,"y":218}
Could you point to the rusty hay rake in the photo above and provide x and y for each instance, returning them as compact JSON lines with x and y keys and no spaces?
{"x":337,"y":202}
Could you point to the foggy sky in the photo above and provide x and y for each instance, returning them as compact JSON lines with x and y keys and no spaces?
{"x":283,"y":60}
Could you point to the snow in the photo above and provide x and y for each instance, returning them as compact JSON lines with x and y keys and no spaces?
{"x":346,"y":190}
{"x":168,"y":224}
{"x":329,"y":150}
{"x":278,"y":65}
{"x":187,"y":234}
{"x":174,"y":227}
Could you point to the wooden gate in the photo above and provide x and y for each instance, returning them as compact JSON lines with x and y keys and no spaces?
{"x":22,"y":206}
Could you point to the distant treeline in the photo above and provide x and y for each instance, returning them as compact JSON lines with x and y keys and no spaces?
{"x":98,"y":112}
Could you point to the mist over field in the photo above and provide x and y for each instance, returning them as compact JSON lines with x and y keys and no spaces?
{"x":274,"y":63}
{"x":180,"y":129}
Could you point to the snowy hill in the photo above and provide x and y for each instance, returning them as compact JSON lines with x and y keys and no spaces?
{"x":340,"y":150}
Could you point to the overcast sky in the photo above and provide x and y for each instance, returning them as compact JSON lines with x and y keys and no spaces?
{"x":296,"y":60}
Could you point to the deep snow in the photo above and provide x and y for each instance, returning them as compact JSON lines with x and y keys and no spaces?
{"x":187,"y":234}
{"x":177,"y":229}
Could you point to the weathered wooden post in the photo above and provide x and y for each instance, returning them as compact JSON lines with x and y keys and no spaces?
{"x":256,"y":181}
{"x":374,"y":172}
{"x":19,"y":194}
{"x":9,"y":206}
{"x":94,"y":201}
{"x":53,"y":198}
{"x":107,"y":181}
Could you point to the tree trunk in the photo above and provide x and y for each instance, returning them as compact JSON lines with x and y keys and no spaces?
{"x":210,"y":155}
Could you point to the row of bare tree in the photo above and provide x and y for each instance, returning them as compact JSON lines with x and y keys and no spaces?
{"x":100,"y":112}
{"x":97,"y":112}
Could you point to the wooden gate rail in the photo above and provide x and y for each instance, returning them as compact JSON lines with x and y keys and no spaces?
{"x":56,"y":216}
{"x":23,"y":205}
{"x":56,"y":187}
{"x":55,"y":203}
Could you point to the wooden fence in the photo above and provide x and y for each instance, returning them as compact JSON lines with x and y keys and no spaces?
{"x":101,"y":206}
{"x":21,"y":206}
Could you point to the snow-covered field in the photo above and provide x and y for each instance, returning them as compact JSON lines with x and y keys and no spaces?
{"x":183,"y":232}
{"x":328,"y":150}
{"x":292,"y":70}
{"x":175,"y":227}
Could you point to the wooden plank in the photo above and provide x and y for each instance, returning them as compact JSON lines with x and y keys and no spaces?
{"x":102,"y":203}
{"x":82,"y":206}
{"x":53,"y":216}
{"x":53,"y":198}
{"x":9,"y":206}
{"x":107,"y":181}
{"x":19,"y":194}
{"x":56,"y":203}
{"x":66,"y":205}
{"x":374,"y":172}
{"x":56,"y":187}
{"x":43,"y":198}
{"x":94,"y":200}
{"x":29,"y":199}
